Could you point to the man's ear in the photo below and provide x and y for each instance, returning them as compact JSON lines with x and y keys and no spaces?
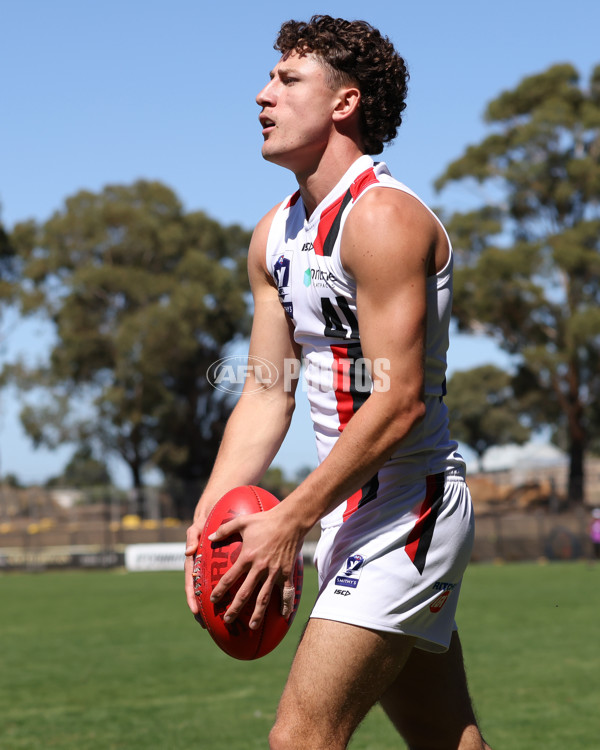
{"x":348,"y":103}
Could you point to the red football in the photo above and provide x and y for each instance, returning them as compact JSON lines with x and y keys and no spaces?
{"x":214,"y":559}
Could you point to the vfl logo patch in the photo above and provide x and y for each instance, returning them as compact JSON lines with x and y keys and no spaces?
{"x":281,"y":270}
{"x":352,"y":573}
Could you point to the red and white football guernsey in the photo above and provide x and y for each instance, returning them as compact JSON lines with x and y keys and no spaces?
{"x":303,"y":256}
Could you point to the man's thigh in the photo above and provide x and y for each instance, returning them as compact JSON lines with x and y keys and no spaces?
{"x":340,"y":671}
{"x":429,"y":701}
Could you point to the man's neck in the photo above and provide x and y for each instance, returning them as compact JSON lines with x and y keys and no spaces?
{"x":317,"y":183}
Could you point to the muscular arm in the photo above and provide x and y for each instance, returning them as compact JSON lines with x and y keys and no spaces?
{"x":262,"y":415}
{"x":390,"y":244}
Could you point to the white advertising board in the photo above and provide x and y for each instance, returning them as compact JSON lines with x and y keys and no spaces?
{"x":144,"y":557}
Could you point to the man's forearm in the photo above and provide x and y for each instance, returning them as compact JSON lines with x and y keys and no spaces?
{"x":367,"y":442}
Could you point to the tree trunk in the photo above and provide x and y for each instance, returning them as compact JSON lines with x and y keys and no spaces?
{"x":576,"y":470}
{"x":185,"y":492}
{"x":577,"y":436}
{"x":136,"y":495}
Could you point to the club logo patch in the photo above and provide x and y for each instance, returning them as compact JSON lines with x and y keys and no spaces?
{"x":438,"y":603}
{"x":445,"y":588}
{"x":352,"y":572}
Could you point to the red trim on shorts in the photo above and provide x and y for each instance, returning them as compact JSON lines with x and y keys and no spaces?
{"x":419,"y":539}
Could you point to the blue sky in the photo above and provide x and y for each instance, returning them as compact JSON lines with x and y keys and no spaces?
{"x":93,"y":93}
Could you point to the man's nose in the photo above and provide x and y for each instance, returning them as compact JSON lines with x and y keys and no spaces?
{"x":266,"y":95}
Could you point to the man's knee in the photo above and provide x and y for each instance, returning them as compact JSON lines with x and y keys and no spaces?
{"x":290,"y":735}
{"x":430,"y":704}
{"x":279,"y":737}
{"x":338,"y":674}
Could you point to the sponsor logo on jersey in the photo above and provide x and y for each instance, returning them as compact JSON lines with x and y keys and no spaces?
{"x":342,"y":592}
{"x":307,"y":247}
{"x":318,"y":277}
{"x":351,"y":573}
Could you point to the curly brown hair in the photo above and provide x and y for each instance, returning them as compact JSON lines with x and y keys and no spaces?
{"x":355,"y":52}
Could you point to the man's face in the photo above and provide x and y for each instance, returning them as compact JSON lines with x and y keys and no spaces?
{"x":297,"y":105}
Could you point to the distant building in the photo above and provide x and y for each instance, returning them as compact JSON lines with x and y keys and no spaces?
{"x":519,"y":465}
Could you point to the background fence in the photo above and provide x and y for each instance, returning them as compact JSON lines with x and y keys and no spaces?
{"x":521,"y":514}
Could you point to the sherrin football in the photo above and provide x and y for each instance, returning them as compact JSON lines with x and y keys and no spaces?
{"x":214,"y":559}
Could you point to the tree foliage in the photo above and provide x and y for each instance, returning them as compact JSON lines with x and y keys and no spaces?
{"x":484,"y":410}
{"x":83,"y":470}
{"x":279,"y":484}
{"x":144,"y":297}
{"x":528,"y":264}
{"x":8,"y":266}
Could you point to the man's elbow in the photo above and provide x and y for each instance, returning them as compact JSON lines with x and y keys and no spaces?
{"x":406,"y":418}
{"x":290,"y":405}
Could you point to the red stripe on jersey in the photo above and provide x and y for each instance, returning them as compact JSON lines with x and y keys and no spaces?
{"x":325,"y":223}
{"x":345,"y":408}
{"x":329,"y":215}
{"x":342,"y":385}
{"x":293,"y":199}
{"x":366,"y":178}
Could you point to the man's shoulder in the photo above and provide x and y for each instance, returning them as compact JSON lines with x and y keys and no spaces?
{"x":391,"y":202}
{"x":270,"y":215}
{"x":263,"y":227}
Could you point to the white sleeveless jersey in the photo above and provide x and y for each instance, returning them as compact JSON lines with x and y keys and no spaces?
{"x":319,"y":295}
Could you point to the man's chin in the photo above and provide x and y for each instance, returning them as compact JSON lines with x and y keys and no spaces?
{"x":275,"y":157}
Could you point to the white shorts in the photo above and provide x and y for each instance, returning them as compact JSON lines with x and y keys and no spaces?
{"x":400,"y":572}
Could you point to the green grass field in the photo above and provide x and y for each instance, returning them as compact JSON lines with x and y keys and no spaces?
{"x":102,"y":660}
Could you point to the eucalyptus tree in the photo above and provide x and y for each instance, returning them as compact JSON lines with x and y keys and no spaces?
{"x":143,"y":297}
{"x":529,"y":258}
